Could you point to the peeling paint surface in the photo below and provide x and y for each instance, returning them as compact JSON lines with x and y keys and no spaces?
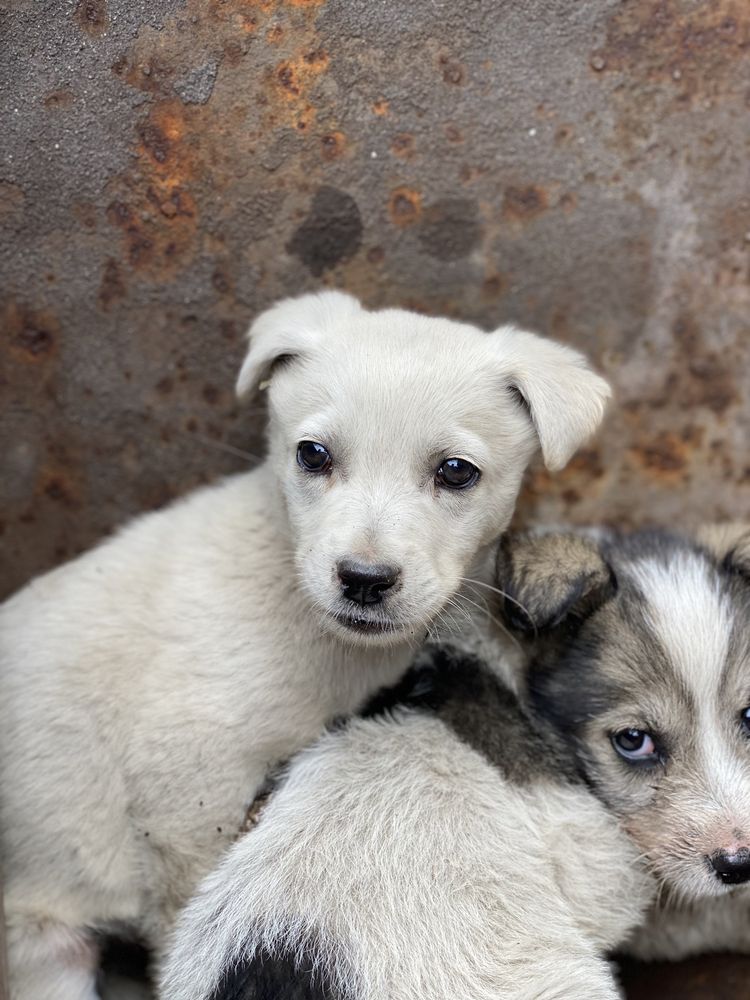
{"x":170,"y":167}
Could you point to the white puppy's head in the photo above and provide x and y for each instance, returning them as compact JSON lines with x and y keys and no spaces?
{"x":400,"y":442}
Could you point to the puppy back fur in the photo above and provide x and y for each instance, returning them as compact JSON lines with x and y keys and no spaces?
{"x":415,"y":852}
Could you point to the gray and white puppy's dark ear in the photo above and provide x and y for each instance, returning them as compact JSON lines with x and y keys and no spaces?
{"x":565,"y":398}
{"x":729,"y":543}
{"x":290,"y":329}
{"x":551,"y":579}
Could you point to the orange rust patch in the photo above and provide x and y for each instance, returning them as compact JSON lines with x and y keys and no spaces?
{"x":31,"y":334}
{"x":493,"y":286}
{"x":404,"y":206}
{"x":112,"y":286}
{"x":333,"y":145}
{"x":695,"y":46}
{"x":380,"y":107}
{"x":453,"y":72}
{"x":568,"y":202}
{"x":664,"y":455}
{"x":56,"y":485}
{"x":294,"y":78}
{"x":402,"y":145}
{"x":59,"y":100}
{"x":92,"y":17}
{"x":524,"y":203}
{"x":158,"y":215}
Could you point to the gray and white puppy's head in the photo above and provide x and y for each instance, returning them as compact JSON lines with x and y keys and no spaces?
{"x":400,"y":442}
{"x":639,"y":653}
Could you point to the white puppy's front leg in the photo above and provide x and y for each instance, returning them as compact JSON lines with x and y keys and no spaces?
{"x":49,"y":961}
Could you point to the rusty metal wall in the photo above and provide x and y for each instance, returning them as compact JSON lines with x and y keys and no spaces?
{"x":169,"y":167}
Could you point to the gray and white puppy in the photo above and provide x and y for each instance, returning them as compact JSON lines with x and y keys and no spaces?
{"x":467,"y":843}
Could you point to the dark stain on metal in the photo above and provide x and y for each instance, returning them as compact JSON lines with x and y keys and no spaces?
{"x":404,"y":206}
{"x":524,"y":203}
{"x":333,"y":145}
{"x":450,"y":229}
{"x":31,"y":334}
{"x":402,"y":145}
{"x":92,"y":16}
{"x":112,"y":286}
{"x":453,"y":72}
{"x":693,"y":46}
{"x":331,"y":233}
{"x":59,"y":100}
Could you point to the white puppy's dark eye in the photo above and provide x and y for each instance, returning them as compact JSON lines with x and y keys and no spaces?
{"x":635,"y":744}
{"x":456,"y":474}
{"x":313,"y":457}
{"x":745,"y":720}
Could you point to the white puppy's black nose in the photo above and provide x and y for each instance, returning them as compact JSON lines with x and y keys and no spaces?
{"x":365,"y":583}
{"x":732,"y":869}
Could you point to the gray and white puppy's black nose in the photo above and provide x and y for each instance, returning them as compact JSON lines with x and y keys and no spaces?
{"x":366,"y":583}
{"x":732,"y":869}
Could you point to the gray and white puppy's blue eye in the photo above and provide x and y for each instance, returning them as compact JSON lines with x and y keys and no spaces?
{"x":456,"y":474}
{"x":745,"y":720}
{"x":313,"y":457}
{"x":635,"y":745}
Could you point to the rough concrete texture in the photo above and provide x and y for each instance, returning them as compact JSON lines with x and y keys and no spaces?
{"x":170,"y":167}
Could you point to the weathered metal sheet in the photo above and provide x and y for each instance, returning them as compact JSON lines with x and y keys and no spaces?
{"x":168,"y":168}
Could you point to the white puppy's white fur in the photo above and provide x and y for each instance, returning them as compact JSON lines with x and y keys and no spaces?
{"x":397,"y":862}
{"x":147,"y":687}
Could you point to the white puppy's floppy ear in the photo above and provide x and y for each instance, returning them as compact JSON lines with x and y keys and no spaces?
{"x":566,"y":399}
{"x":291,"y":328}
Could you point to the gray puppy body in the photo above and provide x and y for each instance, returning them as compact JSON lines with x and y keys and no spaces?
{"x":468,"y":843}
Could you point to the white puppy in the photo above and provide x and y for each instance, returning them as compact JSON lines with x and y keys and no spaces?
{"x":147,"y":687}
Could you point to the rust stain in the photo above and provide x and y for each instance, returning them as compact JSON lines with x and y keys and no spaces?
{"x":693,"y":46}
{"x":12,"y":199}
{"x":493,"y":286}
{"x":380,"y":107}
{"x":402,"y":145}
{"x":333,"y":145}
{"x":58,"y":486}
{"x":667,"y":456}
{"x":31,"y":334}
{"x":453,"y":72}
{"x":112,"y":286}
{"x":158,"y":215}
{"x":404,"y":206}
{"x":568,"y":202}
{"x":521,"y":204}
{"x":92,"y":17}
{"x":58,"y":100}
{"x":294,"y":79}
